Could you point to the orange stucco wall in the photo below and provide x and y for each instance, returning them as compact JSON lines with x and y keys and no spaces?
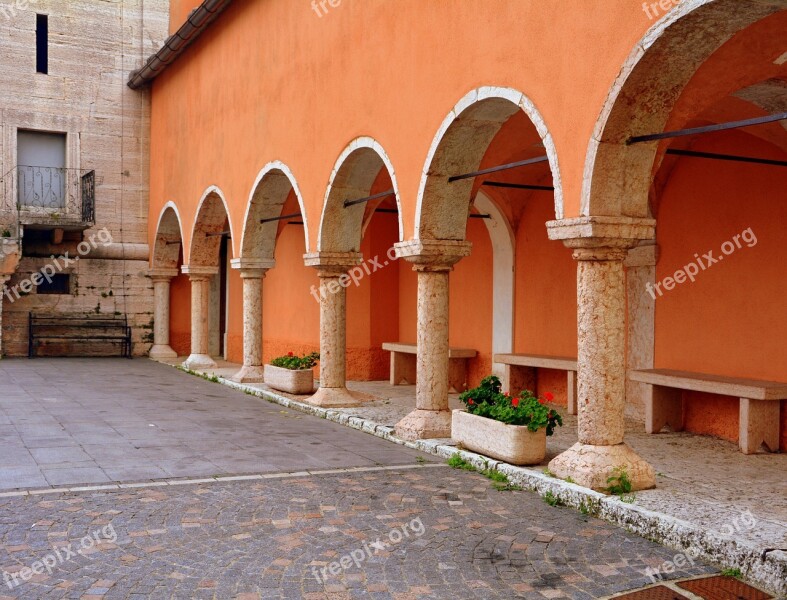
{"x":730,"y":320}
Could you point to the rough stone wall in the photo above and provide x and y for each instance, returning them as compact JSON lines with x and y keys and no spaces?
{"x":93,"y":45}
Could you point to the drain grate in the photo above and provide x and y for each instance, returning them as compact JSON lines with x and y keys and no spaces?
{"x":659,"y":592}
{"x":723,"y":588}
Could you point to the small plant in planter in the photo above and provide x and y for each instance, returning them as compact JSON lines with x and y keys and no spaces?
{"x":509,"y":428}
{"x":292,"y":374}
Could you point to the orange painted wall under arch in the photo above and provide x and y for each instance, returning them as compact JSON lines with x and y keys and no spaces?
{"x":731,"y":321}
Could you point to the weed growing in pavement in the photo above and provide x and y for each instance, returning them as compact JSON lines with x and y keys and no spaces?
{"x":736,"y":573}
{"x":499,"y":480}
{"x":553,"y":500}
{"x":619,"y":482}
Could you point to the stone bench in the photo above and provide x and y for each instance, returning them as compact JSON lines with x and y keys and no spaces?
{"x":759,"y":403}
{"x":521,"y":373}
{"x":404,"y":364}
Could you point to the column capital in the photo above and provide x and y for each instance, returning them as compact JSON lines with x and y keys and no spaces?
{"x":253,"y":264}
{"x":162,"y":274}
{"x":433,"y":255}
{"x":601,"y":231}
{"x":332,"y":264}
{"x":196,"y":272}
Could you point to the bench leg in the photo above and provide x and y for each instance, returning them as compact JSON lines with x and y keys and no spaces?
{"x":663,"y":406}
{"x":517,"y":378}
{"x":759,"y":424}
{"x":572,"y":392}
{"x":403,"y":368}
{"x":457,"y":374}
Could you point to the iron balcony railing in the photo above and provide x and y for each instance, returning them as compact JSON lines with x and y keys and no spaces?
{"x":48,"y":196}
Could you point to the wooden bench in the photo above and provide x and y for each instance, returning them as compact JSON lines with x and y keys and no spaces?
{"x":87,"y":327}
{"x":759,"y":403}
{"x":521,"y":373}
{"x":404,"y":364}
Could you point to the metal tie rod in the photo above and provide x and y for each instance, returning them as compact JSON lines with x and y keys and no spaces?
{"x":731,"y":157}
{"x":348,"y":203}
{"x":707,"y":129}
{"x":392,"y":211}
{"x":281,"y":218}
{"x":519,"y":186}
{"x":513,"y":165}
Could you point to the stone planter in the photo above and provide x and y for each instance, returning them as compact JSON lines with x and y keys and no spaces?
{"x":299,"y":382}
{"x":513,"y":444}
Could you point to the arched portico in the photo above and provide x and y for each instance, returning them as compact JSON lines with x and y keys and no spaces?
{"x":211,"y":225}
{"x":443,"y":206}
{"x":347,"y":209}
{"x":167,"y":249}
{"x":274,"y":185}
{"x":616,"y":227}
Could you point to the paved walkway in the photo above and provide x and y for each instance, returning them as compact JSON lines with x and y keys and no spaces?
{"x":82,"y":421}
{"x":406,"y":535}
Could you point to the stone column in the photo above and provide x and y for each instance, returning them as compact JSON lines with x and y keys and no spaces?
{"x":433,"y":260}
{"x":600,"y":246}
{"x":332,"y":268}
{"x":161,"y":280}
{"x":252,"y":272}
{"x":4,"y":277}
{"x":200,"y":278}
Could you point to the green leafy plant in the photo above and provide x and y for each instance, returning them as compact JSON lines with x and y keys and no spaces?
{"x":296,"y":363}
{"x":420,"y":459}
{"x":619,"y":482}
{"x":552,"y":500}
{"x":457,"y":462}
{"x":736,"y":573}
{"x":6,"y":233}
{"x":524,"y":409}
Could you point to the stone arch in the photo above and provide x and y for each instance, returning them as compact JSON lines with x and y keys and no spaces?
{"x":353,"y":175}
{"x":211,"y":218}
{"x":273,"y":185}
{"x":617,"y":176}
{"x":459,"y":146}
{"x":169,"y":238}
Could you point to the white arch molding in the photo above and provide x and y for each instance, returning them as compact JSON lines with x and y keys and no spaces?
{"x":503,"y":285}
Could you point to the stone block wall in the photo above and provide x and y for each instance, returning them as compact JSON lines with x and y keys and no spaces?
{"x":93,"y":45}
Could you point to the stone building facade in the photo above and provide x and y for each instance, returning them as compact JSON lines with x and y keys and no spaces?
{"x":65,"y":106}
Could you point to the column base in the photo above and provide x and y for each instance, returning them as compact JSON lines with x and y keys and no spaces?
{"x":425,"y":424}
{"x":591,"y":466}
{"x":199,"y":361}
{"x":162,"y":351}
{"x":339,"y":397}
{"x":249,"y":375}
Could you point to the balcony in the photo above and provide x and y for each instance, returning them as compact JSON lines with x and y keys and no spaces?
{"x":47,"y":198}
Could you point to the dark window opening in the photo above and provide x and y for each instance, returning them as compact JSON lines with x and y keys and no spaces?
{"x":59,"y":283}
{"x":42,"y":44}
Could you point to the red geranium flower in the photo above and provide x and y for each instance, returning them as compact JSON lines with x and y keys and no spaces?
{"x":507,"y":394}
{"x":470,"y":401}
{"x":290,"y":354}
{"x":515,"y":402}
{"x":549,"y":396}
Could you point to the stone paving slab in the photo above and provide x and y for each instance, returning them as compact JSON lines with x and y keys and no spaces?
{"x":405,"y":535}
{"x":87,"y":421}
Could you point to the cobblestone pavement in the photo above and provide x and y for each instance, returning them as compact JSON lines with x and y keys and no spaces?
{"x":423,"y":532}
